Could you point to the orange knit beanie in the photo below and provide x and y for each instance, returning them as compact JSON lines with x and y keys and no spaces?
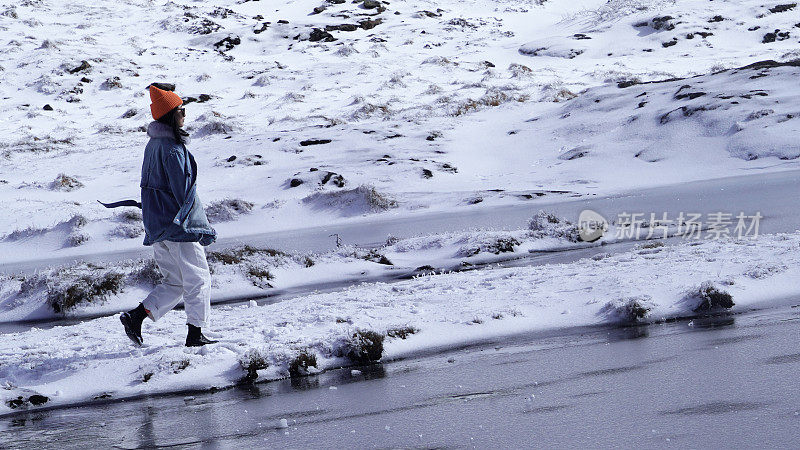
{"x":163,"y":102}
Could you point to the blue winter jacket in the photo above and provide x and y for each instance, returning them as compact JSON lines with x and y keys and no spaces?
{"x":171,"y":209}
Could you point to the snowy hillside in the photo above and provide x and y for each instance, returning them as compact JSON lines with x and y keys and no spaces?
{"x":294,"y":106}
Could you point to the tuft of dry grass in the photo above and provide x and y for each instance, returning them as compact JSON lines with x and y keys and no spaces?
{"x":401,"y":332}
{"x":299,"y":365}
{"x":362,"y":347}
{"x":86,"y":288}
{"x":239,"y":254}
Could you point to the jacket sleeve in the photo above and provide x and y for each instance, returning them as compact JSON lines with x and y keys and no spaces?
{"x":178,"y":177}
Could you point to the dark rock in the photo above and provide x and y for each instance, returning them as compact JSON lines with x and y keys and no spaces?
{"x":778,"y":35}
{"x":782,"y":8}
{"x":669,"y":43}
{"x":37,"y":399}
{"x":664,"y":22}
{"x":321,"y":35}
{"x":294,"y":182}
{"x":313,"y":169}
{"x":232,"y":158}
{"x":222,"y":13}
{"x":429,"y":13}
{"x":686,"y":111}
{"x":47,"y":107}
{"x":319,"y":9}
{"x":163,"y":86}
{"x":689,"y":95}
{"x":283,"y":21}
{"x":753,"y":28}
{"x":770,"y":63}
{"x":626,"y":83}
{"x":15,"y":402}
{"x":448,"y":168}
{"x":716,"y":19}
{"x":205,"y":26}
{"x":342,"y":27}
{"x":86,"y":80}
{"x":334,"y":178}
{"x":756,"y":93}
{"x":368,"y":24}
{"x":203,"y":98}
{"x":580,"y":36}
{"x":371,"y":4}
{"x":427,"y":173}
{"x":308,"y":142}
{"x":263,"y":28}
{"x":111,"y":83}
{"x":336,"y":2}
{"x":84,"y":66}
{"x":228,"y":43}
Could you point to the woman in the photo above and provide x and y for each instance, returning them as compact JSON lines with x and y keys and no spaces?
{"x":175,"y":224}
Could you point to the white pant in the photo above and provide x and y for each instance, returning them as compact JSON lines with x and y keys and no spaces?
{"x":186,"y":277}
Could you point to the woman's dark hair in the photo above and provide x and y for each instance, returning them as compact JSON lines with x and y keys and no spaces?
{"x":171,"y":120}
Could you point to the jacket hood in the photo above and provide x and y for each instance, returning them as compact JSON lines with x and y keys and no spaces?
{"x":160,"y":130}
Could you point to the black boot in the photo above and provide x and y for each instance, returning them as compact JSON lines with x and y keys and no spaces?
{"x":132,"y":321}
{"x":195,"y":338}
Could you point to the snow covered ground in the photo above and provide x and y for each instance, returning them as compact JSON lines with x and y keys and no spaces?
{"x":653,"y":282}
{"x":435,"y":105}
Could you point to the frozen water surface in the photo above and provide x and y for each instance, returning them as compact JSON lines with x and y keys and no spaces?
{"x":719,"y":382}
